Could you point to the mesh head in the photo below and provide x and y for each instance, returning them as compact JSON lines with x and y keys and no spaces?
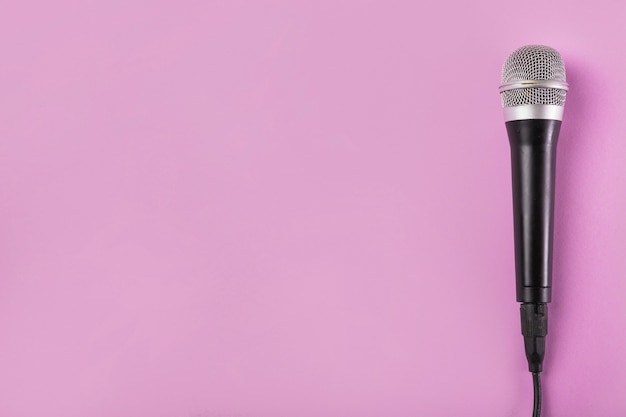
{"x":533,"y":63}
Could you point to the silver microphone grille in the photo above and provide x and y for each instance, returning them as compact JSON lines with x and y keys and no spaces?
{"x":533,"y":64}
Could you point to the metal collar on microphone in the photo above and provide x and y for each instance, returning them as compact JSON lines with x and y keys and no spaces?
{"x":533,"y":111}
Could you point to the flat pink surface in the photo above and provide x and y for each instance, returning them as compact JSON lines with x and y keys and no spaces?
{"x":294,"y":209}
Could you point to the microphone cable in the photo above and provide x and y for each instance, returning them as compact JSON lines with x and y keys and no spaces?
{"x":537,"y":393}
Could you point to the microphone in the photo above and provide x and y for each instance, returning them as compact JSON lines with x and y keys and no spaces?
{"x":533,"y":93}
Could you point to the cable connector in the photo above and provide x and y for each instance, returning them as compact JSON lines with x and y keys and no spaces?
{"x":534,"y":329}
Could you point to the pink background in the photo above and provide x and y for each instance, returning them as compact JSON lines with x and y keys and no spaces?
{"x":268,"y":209}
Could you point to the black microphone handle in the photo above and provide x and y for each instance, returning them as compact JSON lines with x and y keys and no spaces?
{"x":533,"y":163}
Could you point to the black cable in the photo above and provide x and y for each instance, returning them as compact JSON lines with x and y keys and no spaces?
{"x":537,"y":390}
{"x":535,"y":329}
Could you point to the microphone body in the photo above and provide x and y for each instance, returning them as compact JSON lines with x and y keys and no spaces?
{"x":533,"y":165}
